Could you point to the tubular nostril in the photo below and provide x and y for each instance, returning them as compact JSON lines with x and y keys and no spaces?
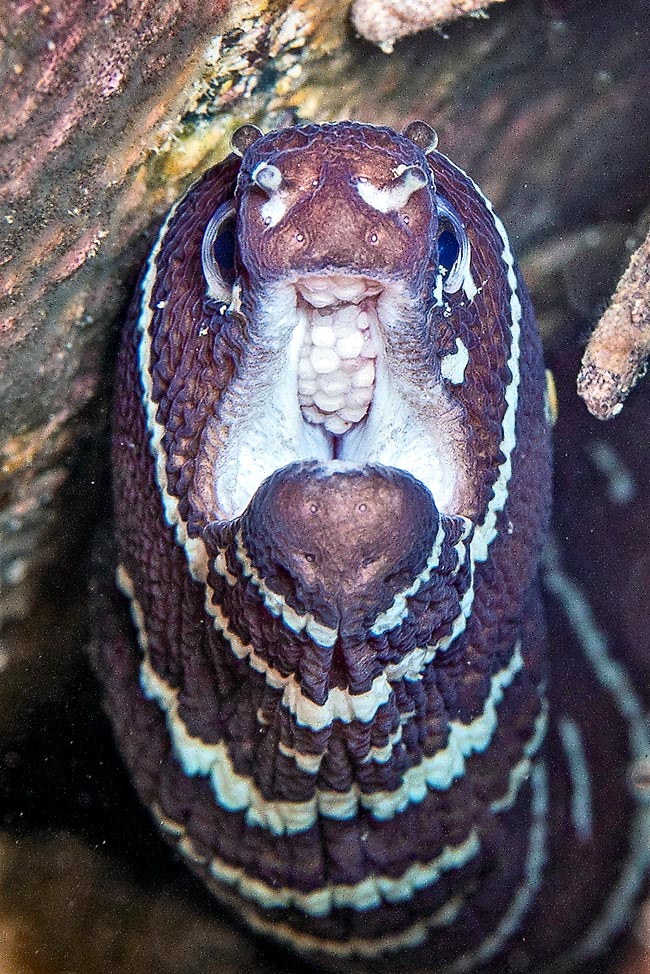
{"x":244,"y":137}
{"x":267,"y":177}
{"x":421,"y":133}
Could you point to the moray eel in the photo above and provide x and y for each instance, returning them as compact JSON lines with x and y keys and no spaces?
{"x":337,"y":692}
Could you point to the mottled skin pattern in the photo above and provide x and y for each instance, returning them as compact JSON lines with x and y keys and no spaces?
{"x":370,"y":794}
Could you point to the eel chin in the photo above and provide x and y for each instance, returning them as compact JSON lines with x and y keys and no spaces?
{"x":339,"y":541}
{"x":338,"y":370}
{"x":347,"y":553}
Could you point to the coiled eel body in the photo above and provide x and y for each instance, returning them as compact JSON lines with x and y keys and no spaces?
{"x":332,"y":475}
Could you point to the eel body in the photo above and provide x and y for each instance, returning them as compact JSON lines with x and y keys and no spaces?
{"x":338,"y":693}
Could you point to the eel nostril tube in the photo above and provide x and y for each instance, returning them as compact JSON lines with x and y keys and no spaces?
{"x":267,"y":177}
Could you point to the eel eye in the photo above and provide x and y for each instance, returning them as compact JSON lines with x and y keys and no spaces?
{"x":448,"y":252}
{"x":454,"y":251}
{"x":218,"y":252}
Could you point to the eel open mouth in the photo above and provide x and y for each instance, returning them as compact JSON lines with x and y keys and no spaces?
{"x":335,"y":259}
{"x":337,"y":371}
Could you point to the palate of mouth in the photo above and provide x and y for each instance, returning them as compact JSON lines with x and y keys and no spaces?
{"x":338,"y":356}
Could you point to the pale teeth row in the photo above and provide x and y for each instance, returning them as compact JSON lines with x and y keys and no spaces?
{"x":321,"y":292}
{"x":336,"y":370}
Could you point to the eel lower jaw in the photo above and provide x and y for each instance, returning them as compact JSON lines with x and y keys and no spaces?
{"x":327,"y":380}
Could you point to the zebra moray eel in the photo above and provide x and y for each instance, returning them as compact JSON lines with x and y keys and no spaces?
{"x":332,"y":477}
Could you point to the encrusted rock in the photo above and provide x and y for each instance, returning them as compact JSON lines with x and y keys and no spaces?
{"x":618,"y":351}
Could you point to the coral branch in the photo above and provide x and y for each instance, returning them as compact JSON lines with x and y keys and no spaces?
{"x":617,"y":353}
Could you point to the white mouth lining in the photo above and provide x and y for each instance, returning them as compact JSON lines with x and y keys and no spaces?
{"x":263,"y":428}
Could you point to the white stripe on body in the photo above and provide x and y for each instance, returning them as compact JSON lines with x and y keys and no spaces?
{"x":368,"y":894}
{"x":614,"y":678}
{"x":486,"y":532}
{"x":417,"y":934}
{"x":521,"y":770}
{"x":582,"y":813}
{"x":238,"y":793}
{"x":523,"y":898}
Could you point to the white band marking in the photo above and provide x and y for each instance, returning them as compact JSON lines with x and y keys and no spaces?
{"x":581,"y":805}
{"x":238,"y":793}
{"x":616,"y":681}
